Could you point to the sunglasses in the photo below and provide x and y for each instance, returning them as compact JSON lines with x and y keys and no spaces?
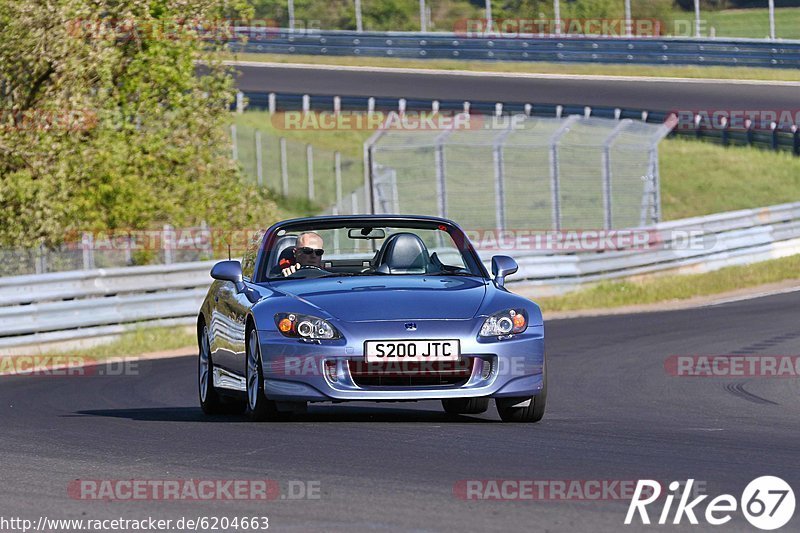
{"x":309,"y":251}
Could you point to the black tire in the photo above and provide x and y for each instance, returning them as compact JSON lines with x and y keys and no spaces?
{"x":210,"y":401}
{"x":465,"y":406}
{"x":260,"y":408}
{"x":532,"y":413}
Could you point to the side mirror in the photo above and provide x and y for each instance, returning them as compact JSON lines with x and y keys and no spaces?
{"x":229,"y":271}
{"x":503,"y":266}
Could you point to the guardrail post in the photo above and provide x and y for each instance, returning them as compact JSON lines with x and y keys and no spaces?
{"x":168,"y":244}
{"x":499,"y":193}
{"x":557,"y":15}
{"x":310,"y":171}
{"x":606,"y":157}
{"x":697,"y":18}
{"x":395,"y":192}
{"x":628,"y":21}
{"x":441,"y":175}
{"x":337,"y":104}
{"x":239,"y":102}
{"x":772,"y":20}
{"x":359,"y":22}
{"x":87,"y":244}
{"x":725,"y":135}
{"x":774,"y":128}
{"x":259,"y":162}
{"x":271,"y":102}
{"x":206,"y":250}
{"x":499,"y":176}
{"x":337,"y":172}
{"x":306,"y":103}
{"x":555,"y":192}
{"x":290,"y":8}
{"x":40,"y":262}
{"x":284,"y":168}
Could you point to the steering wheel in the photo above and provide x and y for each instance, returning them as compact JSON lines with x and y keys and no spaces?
{"x":315,"y":271}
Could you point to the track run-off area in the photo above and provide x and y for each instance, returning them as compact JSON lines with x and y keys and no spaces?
{"x":615,"y":413}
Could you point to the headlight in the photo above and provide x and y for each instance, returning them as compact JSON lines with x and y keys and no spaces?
{"x":305,"y":327}
{"x":504,"y":323}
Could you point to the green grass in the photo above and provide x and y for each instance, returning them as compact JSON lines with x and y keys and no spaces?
{"x":697,"y":178}
{"x":140,"y":341}
{"x":751,"y":23}
{"x":700,"y":178}
{"x":661,"y":71}
{"x":665,"y":288}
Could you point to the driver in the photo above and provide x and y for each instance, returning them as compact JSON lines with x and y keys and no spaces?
{"x":307,"y":252}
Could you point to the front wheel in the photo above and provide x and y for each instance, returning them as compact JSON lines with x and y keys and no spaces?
{"x":529,"y":409}
{"x":261,"y":409}
{"x":210,"y":402}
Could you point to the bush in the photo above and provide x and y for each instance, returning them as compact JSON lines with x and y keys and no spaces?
{"x":112,"y":128}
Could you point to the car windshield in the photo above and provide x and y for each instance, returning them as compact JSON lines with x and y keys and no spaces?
{"x":369,"y":249}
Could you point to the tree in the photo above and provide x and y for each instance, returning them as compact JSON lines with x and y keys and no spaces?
{"x":105,"y":122}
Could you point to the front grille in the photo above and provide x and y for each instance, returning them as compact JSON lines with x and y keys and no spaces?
{"x":411,"y":374}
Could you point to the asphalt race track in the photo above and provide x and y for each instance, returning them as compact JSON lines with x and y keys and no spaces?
{"x":660,"y":95}
{"x":613,"y":414}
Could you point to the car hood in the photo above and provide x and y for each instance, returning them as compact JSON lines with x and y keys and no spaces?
{"x":355,"y":299}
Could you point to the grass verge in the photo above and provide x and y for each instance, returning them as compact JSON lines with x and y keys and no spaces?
{"x":658,"y":71}
{"x":139,"y":341}
{"x":668,"y":288}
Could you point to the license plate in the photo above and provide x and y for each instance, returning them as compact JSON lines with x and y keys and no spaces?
{"x":416,"y":350}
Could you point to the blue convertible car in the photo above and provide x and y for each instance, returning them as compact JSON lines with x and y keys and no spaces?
{"x":375,"y":308}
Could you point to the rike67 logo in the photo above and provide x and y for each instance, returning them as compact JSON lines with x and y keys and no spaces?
{"x":767,"y":503}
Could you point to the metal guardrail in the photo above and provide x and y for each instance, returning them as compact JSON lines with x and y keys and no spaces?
{"x":575,"y":49}
{"x":779,"y":138}
{"x":78,"y":305}
{"x":65,"y":306}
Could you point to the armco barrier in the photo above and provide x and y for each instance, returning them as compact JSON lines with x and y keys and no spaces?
{"x":785,"y":137}
{"x":77,"y":305}
{"x":576,"y":49}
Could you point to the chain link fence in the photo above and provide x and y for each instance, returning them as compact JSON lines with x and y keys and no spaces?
{"x":544,"y":173}
{"x":297,"y":170}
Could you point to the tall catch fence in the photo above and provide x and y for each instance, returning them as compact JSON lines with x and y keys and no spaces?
{"x":543,"y":173}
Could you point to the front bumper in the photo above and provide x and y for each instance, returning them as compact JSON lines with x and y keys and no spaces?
{"x":296,"y":370}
